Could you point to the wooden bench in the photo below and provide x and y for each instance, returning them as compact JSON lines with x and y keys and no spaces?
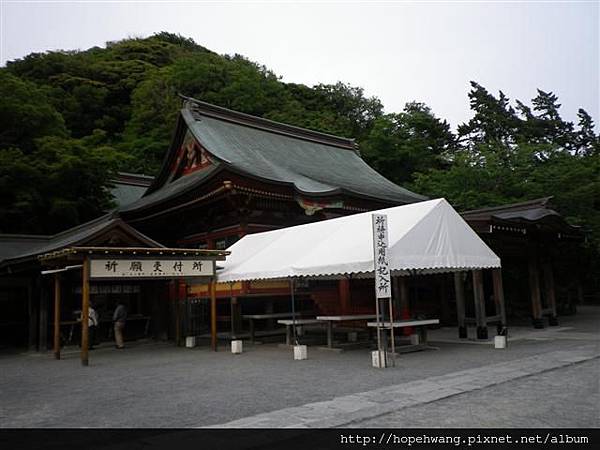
{"x":289,"y":323}
{"x":344,"y":318}
{"x":419,"y":324}
{"x":253,"y":317}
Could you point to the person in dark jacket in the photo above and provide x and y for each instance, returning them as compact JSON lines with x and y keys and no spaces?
{"x":119,"y":319}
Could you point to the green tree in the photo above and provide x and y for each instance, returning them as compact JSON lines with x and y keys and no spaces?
{"x":587,"y":142}
{"x":401,"y":145}
{"x":26,"y":113}
{"x":61,"y":183}
{"x":92,"y":89}
{"x":505,"y":157}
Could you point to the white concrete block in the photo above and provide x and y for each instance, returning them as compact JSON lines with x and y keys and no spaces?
{"x":415,"y":339}
{"x":300,"y":352}
{"x":352,"y":336}
{"x":190,"y":341}
{"x":500,"y":341}
{"x":236,"y":347}
{"x":380,"y":363}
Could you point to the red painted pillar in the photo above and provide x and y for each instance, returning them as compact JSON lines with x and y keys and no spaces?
{"x":402,"y":294}
{"x":344,"y":295}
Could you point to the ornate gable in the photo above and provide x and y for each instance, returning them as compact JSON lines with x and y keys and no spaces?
{"x":191,"y":157}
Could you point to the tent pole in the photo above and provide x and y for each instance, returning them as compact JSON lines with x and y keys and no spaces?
{"x":293,"y":311}
{"x":392,"y":333}
{"x":499,"y":297}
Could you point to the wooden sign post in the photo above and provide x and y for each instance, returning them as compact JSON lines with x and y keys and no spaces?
{"x":383,"y":285}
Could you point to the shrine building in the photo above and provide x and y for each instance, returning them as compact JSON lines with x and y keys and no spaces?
{"x":228,"y":174}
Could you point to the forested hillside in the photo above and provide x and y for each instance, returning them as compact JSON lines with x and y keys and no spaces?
{"x":69,"y":120}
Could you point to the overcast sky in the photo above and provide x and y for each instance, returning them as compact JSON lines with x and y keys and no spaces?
{"x":397,"y":51}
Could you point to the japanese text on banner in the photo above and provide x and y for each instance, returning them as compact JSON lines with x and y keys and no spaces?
{"x":383,"y":284}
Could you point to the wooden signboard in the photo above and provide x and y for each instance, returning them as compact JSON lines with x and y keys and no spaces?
{"x":163,"y":267}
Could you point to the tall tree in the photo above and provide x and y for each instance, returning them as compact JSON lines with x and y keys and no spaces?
{"x":587,"y":142}
{"x":401,"y":145}
{"x":61,"y":183}
{"x":26,"y":113}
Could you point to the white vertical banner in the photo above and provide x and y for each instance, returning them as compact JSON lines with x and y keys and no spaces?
{"x":383,"y":283}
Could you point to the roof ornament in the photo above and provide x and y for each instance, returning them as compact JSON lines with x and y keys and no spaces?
{"x":311,"y":207}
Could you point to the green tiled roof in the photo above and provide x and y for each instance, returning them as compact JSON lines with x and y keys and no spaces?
{"x":124,"y":194}
{"x":314,"y":164}
{"x":14,"y":248}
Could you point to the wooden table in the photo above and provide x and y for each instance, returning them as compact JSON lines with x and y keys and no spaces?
{"x":420,"y":324}
{"x":253,"y":317}
{"x":289,"y":323}
{"x":346,"y":318}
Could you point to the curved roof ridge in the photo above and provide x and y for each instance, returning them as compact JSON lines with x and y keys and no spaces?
{"x":218,"y":112}
{"x":541,"y":202}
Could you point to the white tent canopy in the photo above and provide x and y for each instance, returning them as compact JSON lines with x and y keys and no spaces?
{"x":428,"y":237}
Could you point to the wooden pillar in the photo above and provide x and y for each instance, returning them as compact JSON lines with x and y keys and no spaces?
{"x":499,"y":299}
{"x":163,"y":323}
{"x":344,"y":295}
{"x":57,"y":316}
{"x":177,"y":318}
{"x":479,"y":298}
{"x":550,"y":293}
{"x":404,"y":298}
{"x":85,"y":305}
{"x":213,"y":315}
{"x":404,"y":301}
{"x":234,"y":313}
{"x":534,"y":288}
{"x":32,"y":312}
{"x":43,"y":319}
{"x":396,"y":295}
{"x":459,"y":291}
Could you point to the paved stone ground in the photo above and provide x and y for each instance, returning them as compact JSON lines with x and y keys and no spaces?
{"x":397,"y":403}
{"x":568,"y":397}
{"x":159,"y":385}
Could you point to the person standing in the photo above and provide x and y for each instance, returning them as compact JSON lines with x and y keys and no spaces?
{"x":119,"y":318}
{"x":92,"y":326}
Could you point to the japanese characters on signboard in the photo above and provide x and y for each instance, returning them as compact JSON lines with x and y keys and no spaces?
{"x":150,"y":268}
{"x":383,"y":284}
